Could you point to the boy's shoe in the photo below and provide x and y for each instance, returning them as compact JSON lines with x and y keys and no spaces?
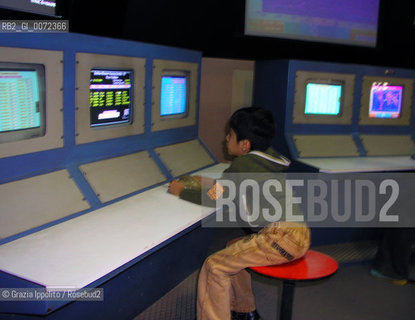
{"x":399,"y":282}
{"x":253,"y":315}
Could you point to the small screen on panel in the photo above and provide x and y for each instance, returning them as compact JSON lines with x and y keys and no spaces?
{"x":323,"y":99}
{"x":19,"y":100}
{"x":22,"y":101}
{"x":385,"y":100}
{"x":173,"y":96}
{"x":110,"y":97}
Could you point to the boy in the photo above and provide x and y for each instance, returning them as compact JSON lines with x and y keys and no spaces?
{"x":224,"y":287}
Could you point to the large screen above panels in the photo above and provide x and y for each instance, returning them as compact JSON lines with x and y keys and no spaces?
{"x":31,"y":83}
{"x":175,"y":86}
{"x":109,"y":97}
{"x":353,"y":22}
{"x":43,"y":7}
{"x":386,"y":101}
{"x":323,"y":98}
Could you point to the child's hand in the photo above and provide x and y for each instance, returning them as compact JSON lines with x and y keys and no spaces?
{"x":204,"y":181}
{"x":176,"y":187}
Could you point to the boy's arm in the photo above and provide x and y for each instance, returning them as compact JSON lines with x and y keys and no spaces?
{"x":177,"y":187}
{"x":195,"y":195}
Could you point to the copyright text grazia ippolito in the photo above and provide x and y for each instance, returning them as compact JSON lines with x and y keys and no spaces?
{"x":41,"y":294}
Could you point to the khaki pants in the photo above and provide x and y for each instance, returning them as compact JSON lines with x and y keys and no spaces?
{"x":225,"y":285}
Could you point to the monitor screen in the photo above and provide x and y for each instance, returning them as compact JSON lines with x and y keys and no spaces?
{"x":353,"y":22}
{"x":173,"y":97}
{"x":110,"y":97}
{"x":323,"y":98}
{"x":22,"y":101}
{"x":385,"y":100}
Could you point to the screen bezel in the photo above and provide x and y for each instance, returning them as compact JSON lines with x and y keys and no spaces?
{"x":86,"y":62}
{"x":302,"y":77}
{"x":406,"y":104}
{"x":176,"y":74}
{"x":131,"y":105}
{"x":325,"y":82}
{"x":160,"y":66}
{"x":34,"y":132}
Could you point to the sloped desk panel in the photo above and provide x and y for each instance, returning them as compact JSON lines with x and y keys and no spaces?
{"x":361,"y":164}
{"x":184,"y":157}
{"x":116,"y":177}
{"x":32,"y":202}
{"x":387,"y":145}
{"x":325,"y":145}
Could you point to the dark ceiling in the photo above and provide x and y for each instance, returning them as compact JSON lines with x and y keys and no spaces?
{"x":215,"y":27}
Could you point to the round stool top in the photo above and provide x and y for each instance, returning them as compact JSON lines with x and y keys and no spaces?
{"x":314,"y":265}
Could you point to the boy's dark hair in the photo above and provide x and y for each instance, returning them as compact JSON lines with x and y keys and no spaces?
{"x":255,"y":124}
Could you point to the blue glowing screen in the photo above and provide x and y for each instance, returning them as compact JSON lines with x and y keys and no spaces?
{"x":173,"y":95}
{"x":323,"y":99}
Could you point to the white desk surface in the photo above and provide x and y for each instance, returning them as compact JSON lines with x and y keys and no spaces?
{"x":80,"y":251}
{"x":360,"y":164}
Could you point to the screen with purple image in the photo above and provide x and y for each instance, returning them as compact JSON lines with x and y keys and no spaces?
{"x":353,"y":22}
{"x":385,"y":100}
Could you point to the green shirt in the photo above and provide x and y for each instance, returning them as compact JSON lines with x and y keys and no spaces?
{"x":259,"y":166}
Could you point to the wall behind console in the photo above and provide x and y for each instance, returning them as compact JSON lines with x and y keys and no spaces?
{"x":226,"y":85}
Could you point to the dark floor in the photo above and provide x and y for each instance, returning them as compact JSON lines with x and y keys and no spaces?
{"x":351,"y":294}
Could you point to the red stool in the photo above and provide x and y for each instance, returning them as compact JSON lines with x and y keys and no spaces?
{"x":314,"y":265}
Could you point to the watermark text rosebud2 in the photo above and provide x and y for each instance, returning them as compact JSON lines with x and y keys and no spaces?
{"x":320,"y":200}
{"x":257,"y":209}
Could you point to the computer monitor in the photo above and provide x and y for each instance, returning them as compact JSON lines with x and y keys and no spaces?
{"x":174,"y":95}
{"x":385,"y":100}
{"x":323,"y":98}
{"x":110,"y":97}
{"x":22,"y":101}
